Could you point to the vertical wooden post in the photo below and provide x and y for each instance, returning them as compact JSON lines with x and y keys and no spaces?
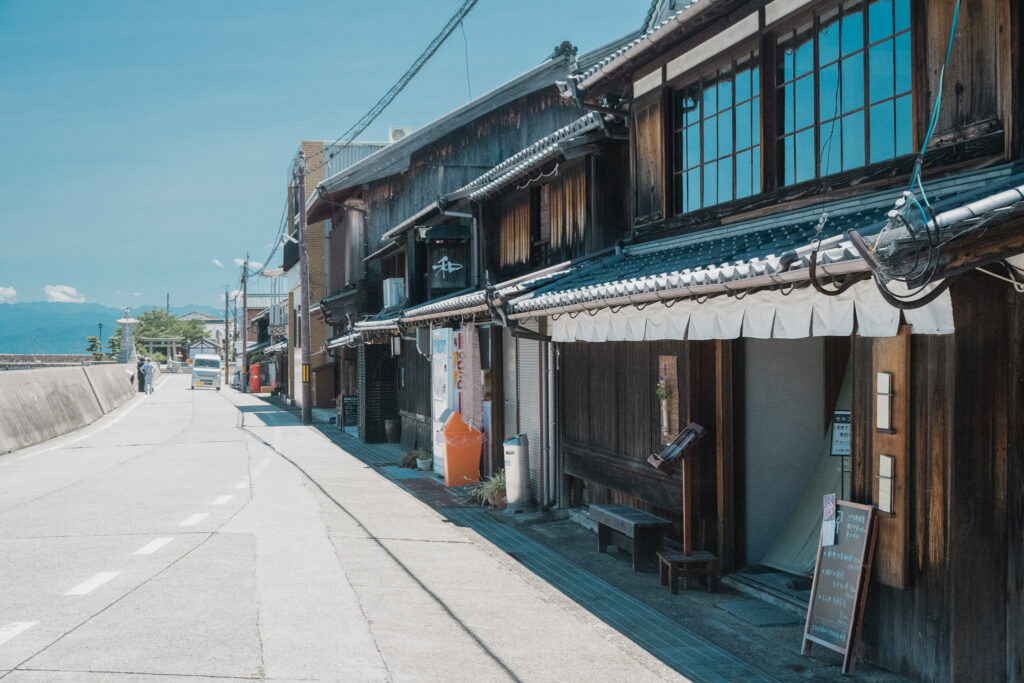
{"x":892,"y":355}
{"x":688,"y":508}
{"x":724,"y":452}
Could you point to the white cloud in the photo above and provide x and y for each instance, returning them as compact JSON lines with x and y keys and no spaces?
{"x":6,"y":294}
{"x":252,"y":264}
{"x":63,"y":293}
{"x":217,"y":263}
{"x":136,"y":293}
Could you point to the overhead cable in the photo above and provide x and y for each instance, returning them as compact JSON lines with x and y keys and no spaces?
{"x":346,"y":138}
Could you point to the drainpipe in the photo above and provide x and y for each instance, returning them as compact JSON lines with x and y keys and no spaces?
{"x":554,"y":490}
{"x":543,"y":493}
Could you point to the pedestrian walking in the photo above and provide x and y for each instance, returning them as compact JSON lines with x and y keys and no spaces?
{"x":149,"y":369}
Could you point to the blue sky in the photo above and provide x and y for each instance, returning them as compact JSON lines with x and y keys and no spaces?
{"x":141,"y":140}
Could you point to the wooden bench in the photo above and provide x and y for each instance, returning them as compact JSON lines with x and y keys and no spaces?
{"x":642,"y":531}
{"x":673,"y":564}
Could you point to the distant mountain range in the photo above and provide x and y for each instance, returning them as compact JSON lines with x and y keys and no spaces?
{"x":55,"y":327}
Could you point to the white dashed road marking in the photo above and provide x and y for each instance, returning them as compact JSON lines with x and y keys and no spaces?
{"x":221,"y":500}
{"x":195,"y":519}
{"x":15,"y":629}
{"x":92,"y":584}
{"x":152,"y":546}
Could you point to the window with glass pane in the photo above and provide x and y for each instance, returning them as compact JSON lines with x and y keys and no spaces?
{"x":844,"y":89}
{"x":717,"y":137}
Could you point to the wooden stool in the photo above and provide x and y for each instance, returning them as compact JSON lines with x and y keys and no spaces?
{"x":673,"y":564}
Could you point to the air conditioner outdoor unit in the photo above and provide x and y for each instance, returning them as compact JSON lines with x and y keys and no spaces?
{"x":396,"y":133}
{"x":394,"y":292}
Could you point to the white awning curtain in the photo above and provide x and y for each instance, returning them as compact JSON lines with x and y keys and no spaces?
{"x":768,"y":314}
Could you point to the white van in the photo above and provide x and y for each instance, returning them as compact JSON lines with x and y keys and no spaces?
{"x":206,"y":371}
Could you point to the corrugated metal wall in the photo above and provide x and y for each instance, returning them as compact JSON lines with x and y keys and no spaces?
{"x":345,"y":156}
{"x":529,"y":400}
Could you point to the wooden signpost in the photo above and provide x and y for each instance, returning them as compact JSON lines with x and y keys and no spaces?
{"x":840,"y":587}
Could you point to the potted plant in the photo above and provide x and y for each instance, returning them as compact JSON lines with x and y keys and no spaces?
{"x":424,"y":459}
{"x":491,"y":491}
{"x":663,"y":392}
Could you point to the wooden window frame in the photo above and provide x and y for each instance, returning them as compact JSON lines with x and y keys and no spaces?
{"x":735,"y":57}
{"x":766,"y":44}
{"x":789,"y":26}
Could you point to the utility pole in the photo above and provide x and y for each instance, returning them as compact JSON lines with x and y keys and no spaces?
{"x":307,"y":392}
{"x":226,"y":339}
{"x":245,"y":322}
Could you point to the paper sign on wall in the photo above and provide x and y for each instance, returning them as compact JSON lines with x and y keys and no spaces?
{"x":828,"y":521}
{"x":842,"y":427}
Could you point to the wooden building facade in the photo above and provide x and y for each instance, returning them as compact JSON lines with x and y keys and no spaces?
{"x":766,"y":218}
{"x":752,"y":126}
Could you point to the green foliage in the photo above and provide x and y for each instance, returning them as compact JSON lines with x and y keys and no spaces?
{"x":662,"y":390}
{"x":94,"y":347}
{"x":114,"y":343}
{"x":484,"y":492}
{"x":158,"y":357}
{"x":158,"y":323}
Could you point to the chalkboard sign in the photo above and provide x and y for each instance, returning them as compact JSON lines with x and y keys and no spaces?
{"x":350,"y":411}
{"x":839,"y":590}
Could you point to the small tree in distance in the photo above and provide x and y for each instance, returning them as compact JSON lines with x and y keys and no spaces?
{"x":94,"y":347}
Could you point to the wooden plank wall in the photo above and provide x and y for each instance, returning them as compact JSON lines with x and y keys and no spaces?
{"x":960,"y":616}
{"x":464,"y":154}
{"x":414,"y":396}
{"x":969,"y":94}
{"x":610,"y":420}
{"x":649,"y":149}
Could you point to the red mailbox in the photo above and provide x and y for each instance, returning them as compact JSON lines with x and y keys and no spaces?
{"x":254,"y":378}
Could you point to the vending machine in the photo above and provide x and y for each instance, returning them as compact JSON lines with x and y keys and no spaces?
{"x":445,"y":378}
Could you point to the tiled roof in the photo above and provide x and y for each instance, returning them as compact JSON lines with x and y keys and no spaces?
{"x":634,"y":49}
{"x":539,"y":152}
{"x":726,"y":257}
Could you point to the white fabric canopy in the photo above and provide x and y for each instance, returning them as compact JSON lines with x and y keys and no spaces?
{"x":762,"y":315}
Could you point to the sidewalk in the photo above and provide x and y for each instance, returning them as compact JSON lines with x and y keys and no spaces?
{"x":723,"y":636}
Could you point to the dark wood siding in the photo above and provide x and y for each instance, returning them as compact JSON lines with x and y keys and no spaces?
{"x":648,"y":163}
{"x":611,"y":424}
{"x":960,"y":616}
{"x":463,"y":155}
{"x":414,"y":380}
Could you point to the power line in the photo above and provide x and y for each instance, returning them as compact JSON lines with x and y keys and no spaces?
{"x":359,"y":126}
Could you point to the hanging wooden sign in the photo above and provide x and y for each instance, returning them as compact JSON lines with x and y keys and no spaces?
{"x":839,"y":591}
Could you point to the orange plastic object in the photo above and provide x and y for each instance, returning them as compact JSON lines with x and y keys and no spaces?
{"x":462,"y":446}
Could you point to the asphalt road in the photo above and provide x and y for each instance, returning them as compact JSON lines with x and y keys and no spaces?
{"x":205,"y":535}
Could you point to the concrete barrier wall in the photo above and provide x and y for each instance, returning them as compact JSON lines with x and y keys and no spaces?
{"x":111,"y":384}
{"x":40,"y":404}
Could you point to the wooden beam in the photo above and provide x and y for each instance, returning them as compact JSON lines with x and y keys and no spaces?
{"x":892,"y":561}
{"x":724,"y":453}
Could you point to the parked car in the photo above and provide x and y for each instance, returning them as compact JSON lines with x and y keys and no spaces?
{"x":206,"y":371}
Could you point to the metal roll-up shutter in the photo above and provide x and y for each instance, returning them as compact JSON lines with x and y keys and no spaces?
{"x":529,"y":402}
